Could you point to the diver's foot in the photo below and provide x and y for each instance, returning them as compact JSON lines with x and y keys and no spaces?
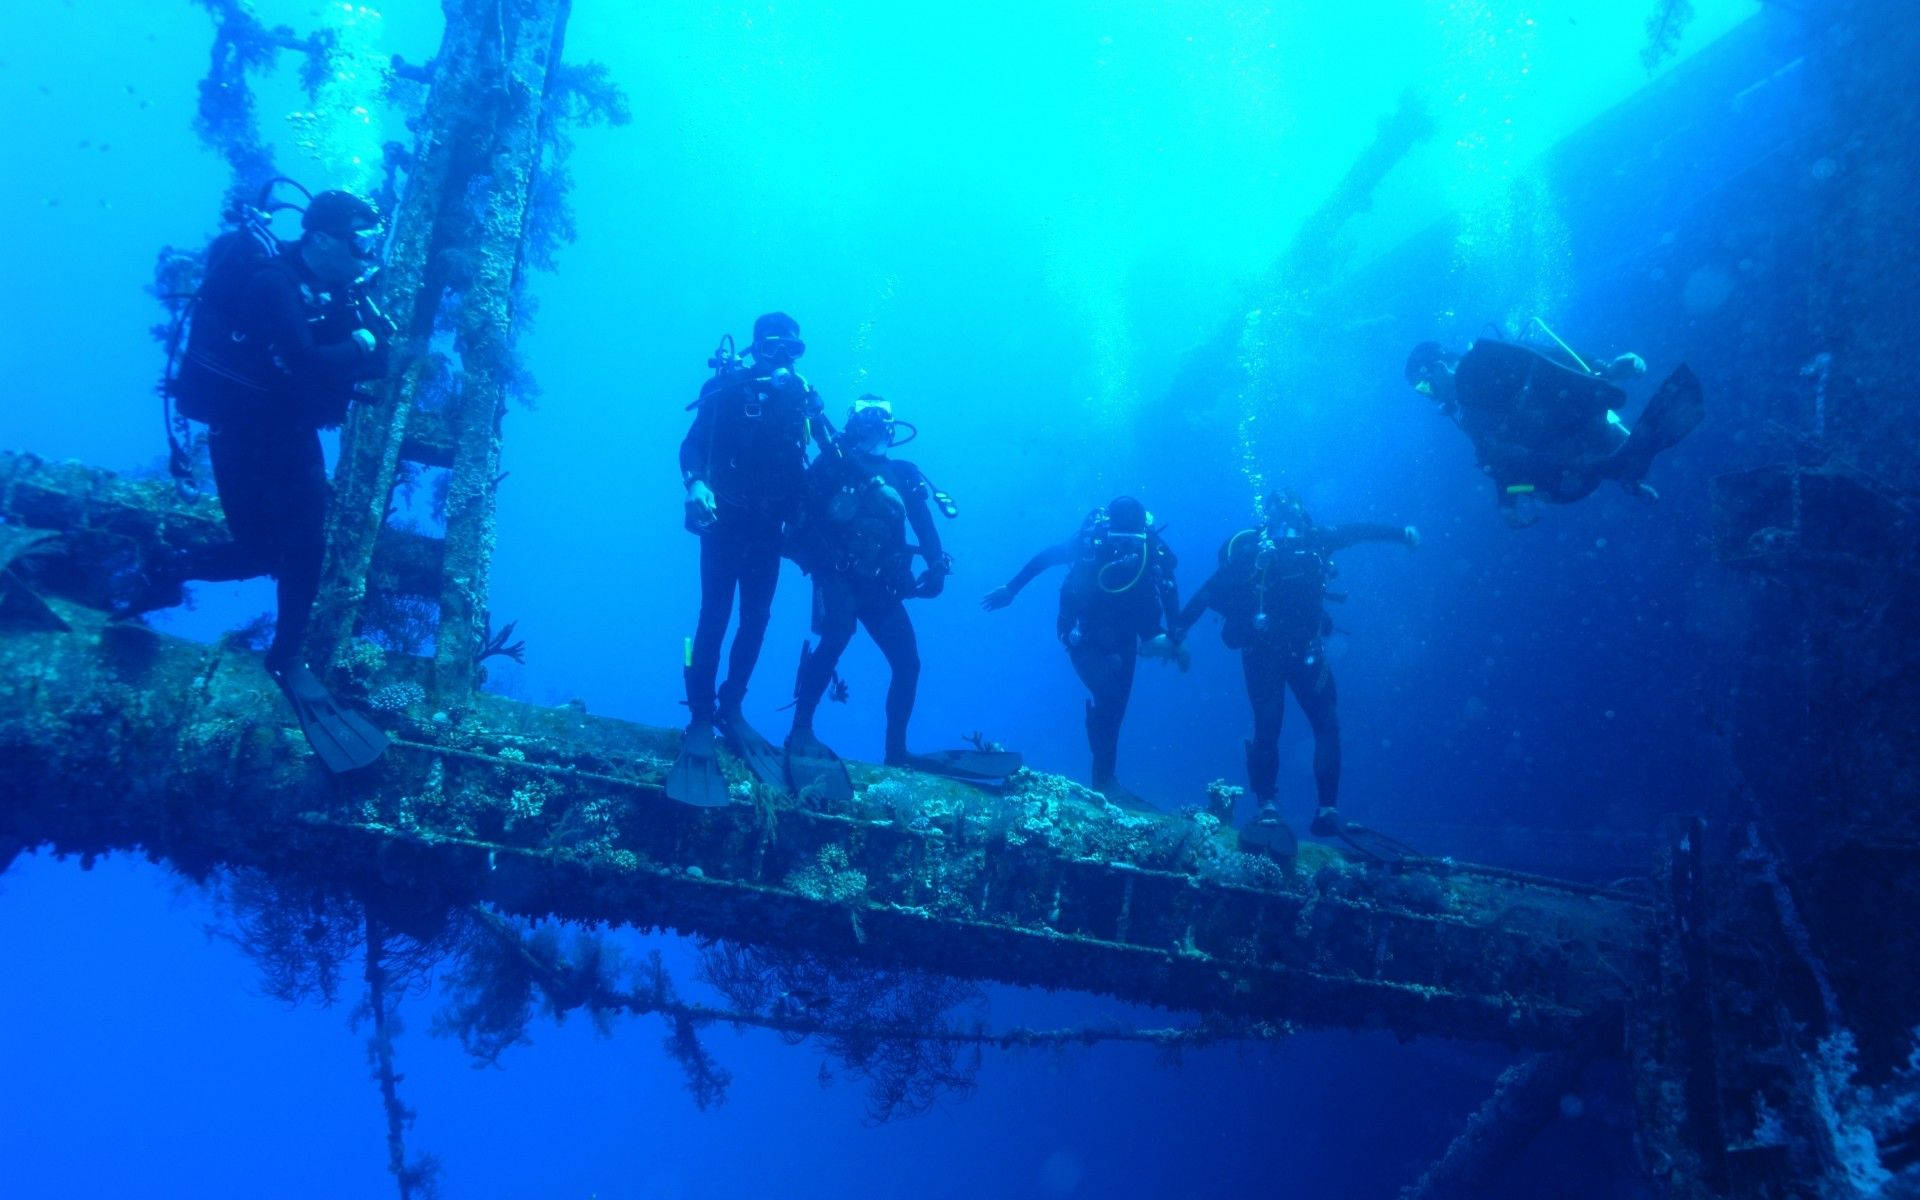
{"x":1326,"y":822}
{"x":1269,"y":833}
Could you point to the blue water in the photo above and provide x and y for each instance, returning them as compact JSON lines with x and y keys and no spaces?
{"x":1020,"y":225}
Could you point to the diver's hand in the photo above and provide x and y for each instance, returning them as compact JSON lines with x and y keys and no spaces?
{"x":997,"y":599}
{"x":1410,"y":536}
{"x":1626,"y":366}
{"x":700,"y":494}
{"x":931,"y":583}
{"x":364,"y":339}
{"x":1164,"y":648}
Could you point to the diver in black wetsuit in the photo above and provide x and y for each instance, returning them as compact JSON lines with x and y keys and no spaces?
{"x":1118,"y":602}
{"x":1544,"y":422}
{"x":1270,"y":591}
{"x":280,"y":336}
{"x":852,"y":538}
{"x":744,"y":462}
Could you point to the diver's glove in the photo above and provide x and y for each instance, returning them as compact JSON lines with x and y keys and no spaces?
{"x":997,"y":599}
{"x":1626,"y":366}
{"x":1164,"y":648}
{"x":1410,"y":536}
{"x":700,"y":506}
{"x":933,"y":580}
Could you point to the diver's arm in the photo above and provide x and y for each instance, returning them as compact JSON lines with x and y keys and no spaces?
{"x":1167,"y":587}
{"x":1167,"y":643}
{"x":933,"y":580}
{"x":696,"y":457}
{"x":1196,"y":607}
{"x":1052,"y":556}
{"x":696,"y":449}
{"x":273,"y":302}
{"x":1339,"y":537}
{"x":817,"y":423}
{"x":920,"y":516}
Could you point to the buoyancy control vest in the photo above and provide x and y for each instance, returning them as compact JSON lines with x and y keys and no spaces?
{"x":758,"y":426}
{"x":1118,"y":581}
{"x":855,"y":522}
{"x":1272,"y":589}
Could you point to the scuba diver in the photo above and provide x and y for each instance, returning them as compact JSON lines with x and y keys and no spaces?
{"x":744,"y":464}
{"x":279,"y":335}
{"x":1119,"y":601}
{"x":1270,"y":590}
{"x":1545,"y":424}
{"x":851,"y":536}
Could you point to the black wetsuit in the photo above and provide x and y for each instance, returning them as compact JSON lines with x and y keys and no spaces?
{"x":1270,"y":594}
{"x":1540,"y":423}
{"x":749,"y":444}
{"x":853,"y":542}
{"x":272,"y":361}
{"x":1119,"y":591}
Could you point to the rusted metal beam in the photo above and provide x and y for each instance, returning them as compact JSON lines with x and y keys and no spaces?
{"x":113,"y":737}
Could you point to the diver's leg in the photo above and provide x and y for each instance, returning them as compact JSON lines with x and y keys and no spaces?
{"x":834,"y":622}
{"x":1312,"y":682}
{"x":719,"y":572}
{"x":892,"y":631}
{"x":242,"y":475}
{"x":1107,"y":670}
{"x":152,"y":579}
{"x":1267,"y":692}
{"x":302,"y":542}
{"x":759,"y":574}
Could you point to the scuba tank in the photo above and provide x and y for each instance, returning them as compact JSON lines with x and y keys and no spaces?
{"x":197,"y":383}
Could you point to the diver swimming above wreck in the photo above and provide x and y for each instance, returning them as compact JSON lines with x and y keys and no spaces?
{"x":1545,"y":424}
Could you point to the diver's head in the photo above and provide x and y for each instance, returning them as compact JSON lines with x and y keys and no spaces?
{"x":1430,"y":371}
{"x":776,"y":340}
{"x":1126,"y":515}
{"x":341,"y":237}
{"x":1283,"y":513}
{"x":869,"y":427}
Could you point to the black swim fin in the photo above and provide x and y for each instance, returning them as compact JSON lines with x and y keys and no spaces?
{"x":695,"y":777}
{"x":1675,"y":411}
{"x":341,"y":738}
{"x":1121,"y":796}
{"x":1372,"y":846}
{"x":762,"y":757}
{"x":813,"y":766}
{"x":1267,"y":833}
{"x":973,"y":766}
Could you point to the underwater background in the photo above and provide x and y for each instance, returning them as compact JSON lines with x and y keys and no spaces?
{"x":1049,"y":235}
